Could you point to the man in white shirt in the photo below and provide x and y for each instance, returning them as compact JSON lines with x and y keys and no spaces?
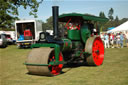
{"x":106,"y":41}
{"x":102,"y":36}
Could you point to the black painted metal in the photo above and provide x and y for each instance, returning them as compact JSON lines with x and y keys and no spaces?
{"x":55,"y":13}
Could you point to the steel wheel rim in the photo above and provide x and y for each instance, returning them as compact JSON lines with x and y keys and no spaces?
{"x":98,"y":51}
{"x":55,"y":69}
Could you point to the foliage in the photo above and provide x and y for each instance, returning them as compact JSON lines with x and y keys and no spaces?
{"x":48,"y":25}
{"x":50,"y":22}
{"x":9,"y":10}
{"x":101,"y":24}
{"x":101,"y":14}
{"x":114,"y":23}
{"x":89,"y":14}
{"x":6,"y":29}
{"x":110,"y":13}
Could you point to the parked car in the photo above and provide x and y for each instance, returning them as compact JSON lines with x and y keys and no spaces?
{"x":10,"y":35}
{"x":9,"y":39}
{"x":3,"y":41}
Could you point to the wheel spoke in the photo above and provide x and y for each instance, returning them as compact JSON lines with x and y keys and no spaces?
{"x":55,"y":69}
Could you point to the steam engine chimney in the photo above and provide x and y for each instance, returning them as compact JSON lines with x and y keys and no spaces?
{"x":55,"y":12}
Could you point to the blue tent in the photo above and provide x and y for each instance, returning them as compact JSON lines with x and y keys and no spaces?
{"x":111,"y":28}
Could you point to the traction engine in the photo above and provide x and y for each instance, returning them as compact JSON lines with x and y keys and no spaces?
{"x":78,"y":45}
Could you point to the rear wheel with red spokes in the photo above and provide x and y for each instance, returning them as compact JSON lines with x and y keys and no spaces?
{"x":95,"y":47}
{"x":55,"y":69}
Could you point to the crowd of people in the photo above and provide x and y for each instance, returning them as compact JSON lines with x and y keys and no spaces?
{"x":114,"y":40}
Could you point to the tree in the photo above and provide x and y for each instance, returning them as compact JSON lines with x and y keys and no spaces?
{"x":123,"y":20}
{"x":101,"y":24}
{"x":101,"y":14}
{"x":110,"y":13}
{"x":9,"y":10}
{"x":49,"y":23}
{"x":116,"y":21}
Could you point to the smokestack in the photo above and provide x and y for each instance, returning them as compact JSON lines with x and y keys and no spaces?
{"x":55,"y":12}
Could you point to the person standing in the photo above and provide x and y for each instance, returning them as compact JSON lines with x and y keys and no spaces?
{"x":118,"y":40}
{"x":102,"y":37}
{"x":121,"y":39}
{"x":106,"y":40}
{"x":126,"y":35}
{"x":112,"y":40}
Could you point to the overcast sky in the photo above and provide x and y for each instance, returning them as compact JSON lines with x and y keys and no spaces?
{"x":79,"y":6}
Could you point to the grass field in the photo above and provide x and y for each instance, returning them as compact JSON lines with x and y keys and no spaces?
{"x":114,"y":70}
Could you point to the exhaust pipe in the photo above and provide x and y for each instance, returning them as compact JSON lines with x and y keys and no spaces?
{"x":55,"y":12}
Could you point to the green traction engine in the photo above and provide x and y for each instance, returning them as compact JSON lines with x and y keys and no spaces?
{"x":77,"y":42}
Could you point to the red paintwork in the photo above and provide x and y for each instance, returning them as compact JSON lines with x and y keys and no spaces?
{"x":71,"y":27}
{"x":67,"y":24}
{"x":55,"y":69}
{"x":66,"y":43}
{"x":98,"y":57}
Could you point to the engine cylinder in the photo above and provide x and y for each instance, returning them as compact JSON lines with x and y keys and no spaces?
{"x":67,"y":46}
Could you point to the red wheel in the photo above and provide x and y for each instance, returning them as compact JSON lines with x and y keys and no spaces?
{"x":95,"y":47}
{"x":55,"y":69}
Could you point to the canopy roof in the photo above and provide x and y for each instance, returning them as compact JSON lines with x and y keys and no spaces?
{"x":78,"y":16}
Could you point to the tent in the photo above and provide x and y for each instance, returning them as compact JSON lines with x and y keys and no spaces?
{"x":120,"y":28}
{"x":111,"y":28}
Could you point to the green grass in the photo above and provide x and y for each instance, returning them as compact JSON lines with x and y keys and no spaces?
{"x":114,"y":70}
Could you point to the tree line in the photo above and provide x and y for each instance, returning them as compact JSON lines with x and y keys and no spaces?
{"x":9,"y":13}
{"x":113,"y":22}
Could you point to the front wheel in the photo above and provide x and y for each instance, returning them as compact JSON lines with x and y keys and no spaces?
{"x":44,"y":56}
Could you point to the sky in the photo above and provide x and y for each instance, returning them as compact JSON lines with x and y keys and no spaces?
{"x":93,"y":7}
